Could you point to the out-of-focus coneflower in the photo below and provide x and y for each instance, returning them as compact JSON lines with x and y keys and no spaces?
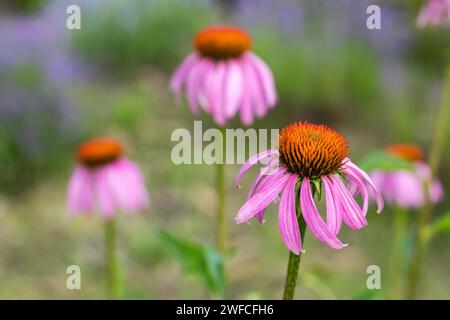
{"x":434,"y":13}
{"x":106,"y":181}
{"x":313,"y":161}
{"x":224,"y":77}
{"x":404,"y":188}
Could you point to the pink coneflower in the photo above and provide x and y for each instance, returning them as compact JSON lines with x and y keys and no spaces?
{"x":105,"y":180}
{"x":313,"y":160}
{"x":223,"y":76}
{"x":434,"y":13}
{"x":405,"y":188}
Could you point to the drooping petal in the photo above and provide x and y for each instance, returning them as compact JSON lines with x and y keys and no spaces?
{"x":334,"y":215}
{"x":195,"y":84}
{"x":361,"y":189}
{"x":261,"y":200}
{"x":254,"y":92}
{"x":313,"y":219}
{"x":287,"y":217}
{"x":126,"y":184}
{"x":252,"y":161}
{"x":180,"y":74}
{"x":265,"y":78}
{"x":349,"y":166}
{"x":245,"y":110}
{"x":215,"y":93}
{"x":80,"y":195}
{"x":105,"y":197}
{"x":436,"y":191}
{"x":351,"y":212}
{"x":259,"y":182}
{"x":233,"y":88}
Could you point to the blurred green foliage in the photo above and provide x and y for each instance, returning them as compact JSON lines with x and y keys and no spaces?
{"x":127,"y":37}
{"x":22,"y":6}
{"x":382,"y":161}
{"x":202,"y":260}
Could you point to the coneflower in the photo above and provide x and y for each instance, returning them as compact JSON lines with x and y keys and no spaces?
{"x":106,"y":181}
{"x":404,"y":188}
{"x":434,"y":13}
{"x":223,"y":76}
{"x":313,"y":161}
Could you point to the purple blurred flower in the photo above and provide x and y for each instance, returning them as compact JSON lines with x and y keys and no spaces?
{"x":37,"y":69}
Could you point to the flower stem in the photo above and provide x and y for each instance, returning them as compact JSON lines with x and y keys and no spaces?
{"x":294,"y":263}
{"x":221,"y":227}
{"x":114,"y":288}
{"x":396,"y":258}
{"x":437,"y":146}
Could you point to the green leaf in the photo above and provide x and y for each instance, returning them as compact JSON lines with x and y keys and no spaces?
{"x":203,"y":261}
{"x":383,"y":161}
{"x":441,"y":225}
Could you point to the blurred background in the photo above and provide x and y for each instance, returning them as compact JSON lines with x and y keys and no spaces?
{"x":59,"y":87}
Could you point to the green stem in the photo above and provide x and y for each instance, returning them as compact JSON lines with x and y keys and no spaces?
{"x":113,"y":282}
{"x":396,"y":258}
{"x":221,"y":227}
{"x":294,"y":263}
{"x":437,"y":146}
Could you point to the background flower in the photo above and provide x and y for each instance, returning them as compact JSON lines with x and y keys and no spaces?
{"x":224,"y":77}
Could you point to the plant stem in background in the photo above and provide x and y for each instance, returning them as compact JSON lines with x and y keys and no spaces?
{"x":437,"y":146}
{"x":114,"y":288}
{"x":294,"y":264}
{"x":221,"y":227}
{"x":397,"y":252}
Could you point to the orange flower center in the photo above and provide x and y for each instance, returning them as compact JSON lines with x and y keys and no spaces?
{"x":409,"y":152}
{"x":221,"y":42}
{"x":311,"y":150}
{"x":100,"y":151}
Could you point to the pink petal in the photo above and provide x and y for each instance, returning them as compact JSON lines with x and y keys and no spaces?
{"x":253,"y":90}
{"x":265,"y":78}
{"x":260,"y":201}
{"x":105,"y":197}
{"x":313,"y":219}
{"x":334,"y":215}
{"x":351,"y":212}
{"x":126,"y":184}
{"x":80,"y":192}
{"x":233,"y":88}
{"x":287,"y":217}
{"x":195,"y":84}
{"x":180,"y":74}
{"x":359,"y":185}
{"x":436,"y":192}
{"x":349,"y":166}
{"x":214,"y":93}
{"x":252,"y":161}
